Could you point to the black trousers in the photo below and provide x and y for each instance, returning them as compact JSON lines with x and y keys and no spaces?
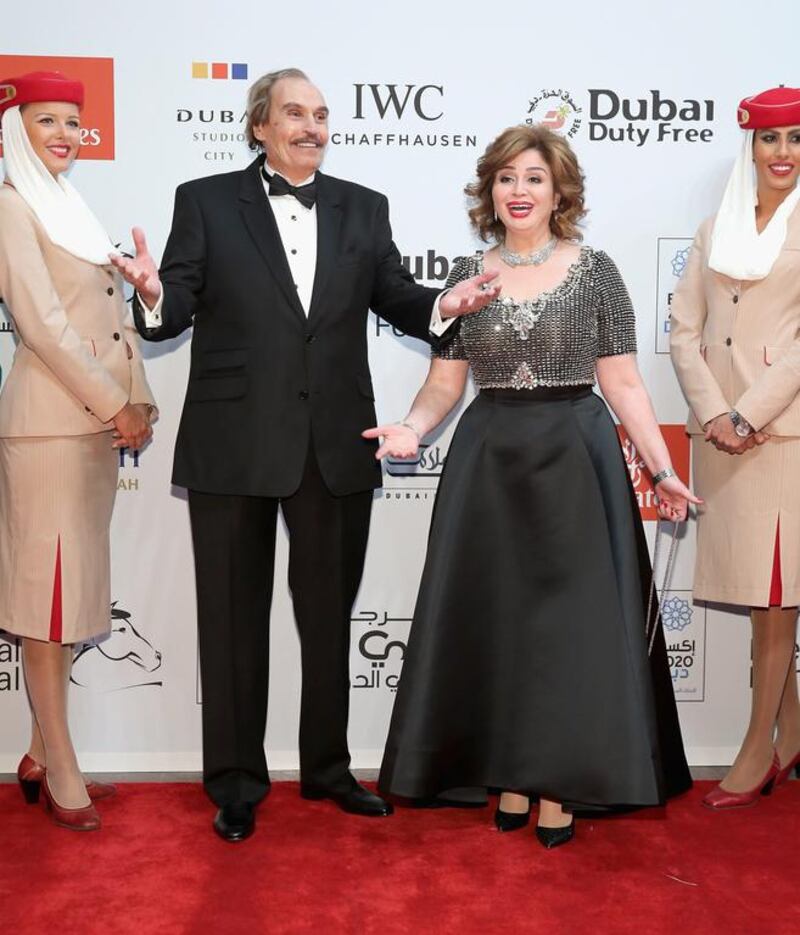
{"x":234,"y":552}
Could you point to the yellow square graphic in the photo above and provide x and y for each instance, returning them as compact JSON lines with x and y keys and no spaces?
{"x":199,"y":69}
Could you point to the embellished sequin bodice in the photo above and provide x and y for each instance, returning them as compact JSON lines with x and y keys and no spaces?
{"x":552,"y":340}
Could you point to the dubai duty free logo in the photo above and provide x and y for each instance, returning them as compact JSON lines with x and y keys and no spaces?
{"x":613,"y":117}
{"x":555,"y":109}
{"x":97,"y":75}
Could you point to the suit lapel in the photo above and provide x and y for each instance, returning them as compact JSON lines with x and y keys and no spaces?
{"x":329,"y":219}
{"x":260,"y":222}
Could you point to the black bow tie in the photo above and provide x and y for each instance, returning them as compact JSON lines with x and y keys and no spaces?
{"x":305,"y":194}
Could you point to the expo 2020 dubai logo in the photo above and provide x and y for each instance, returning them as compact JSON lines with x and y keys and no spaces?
{"x":676,"y":613}
{"x":680,"y":260}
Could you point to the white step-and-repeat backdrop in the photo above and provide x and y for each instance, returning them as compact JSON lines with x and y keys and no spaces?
{"x":646,"y":96}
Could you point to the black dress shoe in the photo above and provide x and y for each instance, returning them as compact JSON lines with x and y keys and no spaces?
{"x":235,"y":822}
{"x":554,"y":837}
{"x":511,"y":821}
{"x":357,"y":800}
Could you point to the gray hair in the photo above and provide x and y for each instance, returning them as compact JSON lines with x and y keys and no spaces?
{"x":259,"y":98}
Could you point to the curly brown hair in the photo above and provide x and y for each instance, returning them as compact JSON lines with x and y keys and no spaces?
{"x":568,"y":181}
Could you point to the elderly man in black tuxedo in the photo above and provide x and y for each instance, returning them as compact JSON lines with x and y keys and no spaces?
{"x":277,"y":267}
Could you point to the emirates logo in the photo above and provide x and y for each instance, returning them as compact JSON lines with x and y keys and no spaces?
{"x":633,"y":461}
{"x":678,"y":444}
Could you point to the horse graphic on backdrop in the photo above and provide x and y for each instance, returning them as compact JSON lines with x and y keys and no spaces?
{"x":124,"y":659}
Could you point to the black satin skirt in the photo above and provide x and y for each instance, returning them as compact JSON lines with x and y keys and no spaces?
{"x":527,"y":665}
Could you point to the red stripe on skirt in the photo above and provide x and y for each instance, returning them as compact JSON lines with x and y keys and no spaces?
{"x":776,"y":586}
{"x":55,"y":610}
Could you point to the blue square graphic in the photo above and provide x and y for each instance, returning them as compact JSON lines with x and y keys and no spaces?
{"x":238,"y":70}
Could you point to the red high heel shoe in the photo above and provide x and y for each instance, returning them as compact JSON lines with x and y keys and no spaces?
{"x":720,"y":798}
{"x":785,"y":772}
{"x":30,"y":775}
{"x":76,"y":819}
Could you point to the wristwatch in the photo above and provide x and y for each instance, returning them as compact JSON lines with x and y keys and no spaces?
{"x":740,"y":425}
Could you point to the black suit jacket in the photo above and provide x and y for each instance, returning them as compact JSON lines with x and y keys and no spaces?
{"x":265,"y":379}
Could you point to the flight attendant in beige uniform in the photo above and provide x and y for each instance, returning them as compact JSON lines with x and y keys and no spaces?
{"x":75,"y":392}
{"x":736,"y":350}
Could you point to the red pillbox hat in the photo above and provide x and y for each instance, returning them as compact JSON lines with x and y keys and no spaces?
{"x":778,"y":107}
{"x":39,"y":86}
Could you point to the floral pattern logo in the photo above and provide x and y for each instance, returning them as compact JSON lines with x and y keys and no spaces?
{"x":676,"y":613}
{"x":679,"y":261}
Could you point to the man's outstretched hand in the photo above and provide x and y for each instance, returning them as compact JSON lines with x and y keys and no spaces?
{"x":140,"y":271}
{"x":469,"y":296}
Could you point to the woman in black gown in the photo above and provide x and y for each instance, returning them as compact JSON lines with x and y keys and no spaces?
{"x":527,"y":666}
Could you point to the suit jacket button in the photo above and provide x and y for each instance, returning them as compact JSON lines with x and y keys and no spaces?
{"x":116,"y":335}
{"x":110,"y":290}
{"x":309,"y":339}
{"x":303,"y":394}
{"x":728,"y":341}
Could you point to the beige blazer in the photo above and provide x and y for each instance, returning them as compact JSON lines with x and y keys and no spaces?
{"x":736,"y":345}
{"x":77,"y":361}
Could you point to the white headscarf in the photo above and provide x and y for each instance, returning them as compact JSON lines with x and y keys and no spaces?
{"x":65,"y":216}
{"x":737,"y":249}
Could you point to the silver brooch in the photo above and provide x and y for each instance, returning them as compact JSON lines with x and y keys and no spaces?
{"x":522,"y":316}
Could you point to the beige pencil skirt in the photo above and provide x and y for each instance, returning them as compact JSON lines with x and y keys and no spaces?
{"x":56,"y":500}
{"x":747,"y":497}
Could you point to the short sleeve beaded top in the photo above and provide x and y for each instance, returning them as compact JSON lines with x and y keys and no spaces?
{"x":552,"y":340}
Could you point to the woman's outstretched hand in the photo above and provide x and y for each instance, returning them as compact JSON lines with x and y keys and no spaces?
{"x":674,"y":498}
{"x":399,"y":441}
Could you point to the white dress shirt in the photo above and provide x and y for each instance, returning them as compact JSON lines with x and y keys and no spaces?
{"x":297,"y":226}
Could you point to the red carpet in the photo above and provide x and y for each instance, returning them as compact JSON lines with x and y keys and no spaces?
{"x":157,"y":867}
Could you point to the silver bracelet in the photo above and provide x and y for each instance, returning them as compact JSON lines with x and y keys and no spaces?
{"x":410,"y":425}
{"x":662,"y":475}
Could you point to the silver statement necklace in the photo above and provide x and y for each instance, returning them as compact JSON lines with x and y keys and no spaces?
{"x":528,"y":259}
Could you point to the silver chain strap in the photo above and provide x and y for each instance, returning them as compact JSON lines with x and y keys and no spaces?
{"x":650,"y":628}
